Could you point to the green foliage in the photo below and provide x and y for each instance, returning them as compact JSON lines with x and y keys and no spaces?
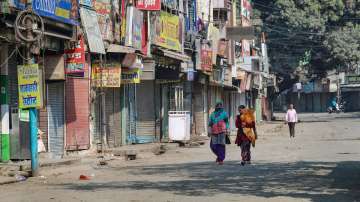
{"x":328,"y":30}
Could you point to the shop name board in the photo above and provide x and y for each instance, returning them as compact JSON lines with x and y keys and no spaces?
{"x":167,"y":31}
{"x":354,"y":79}
{"x":107,"y":77}
{"x":150,"y":5}
{"x":29,"y":86}
{"x":61,"y":10}
{"x":206,"y":59}
{"x":75,"y":58}
{"x":130,"y":76}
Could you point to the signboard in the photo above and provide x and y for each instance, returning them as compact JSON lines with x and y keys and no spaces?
{"x":103,"y":10}
{"x":29,"y":86}
{"x":213,"y":36}
{"x":24,"y":115}
{"x":75,"y":58}
{"x":107,"y":77}
{"x":240,"y":33}
{"x":87,"y":3}
{"x":130,"y":76}
{"x":353,"y":79}
{"x":222,"y":47}
{"x":167,"y":31}
{"x":134,"y":26}
{"x":61,"y":10}
{"x":149,"y":5}
{"x":92,"y":30}
{"x":246,"y":9}
{"x":206,"y":58}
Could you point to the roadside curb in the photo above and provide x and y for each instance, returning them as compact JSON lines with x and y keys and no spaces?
{"x":9,"y":180}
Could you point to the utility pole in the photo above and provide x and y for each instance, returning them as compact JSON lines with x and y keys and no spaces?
{"x":32,"y":111}
{"x":4,"y":102}
{"x":28,"y":31}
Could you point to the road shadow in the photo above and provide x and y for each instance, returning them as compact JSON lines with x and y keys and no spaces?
{"x":317,"y":181}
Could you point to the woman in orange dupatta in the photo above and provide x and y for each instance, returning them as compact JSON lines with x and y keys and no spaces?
{"x":247,"y":134}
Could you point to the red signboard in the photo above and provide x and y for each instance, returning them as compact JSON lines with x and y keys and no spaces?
{"x":75,"y":57}
{"x":150,"y":5}
{"x":206,"y":58}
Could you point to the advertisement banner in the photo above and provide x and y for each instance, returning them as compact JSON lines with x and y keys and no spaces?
{"x":246,"y":9}
{"x":75,"y":58}
{"x":167,"y":31}
{"x":92,"y":30}
{"x":107,"y":77}
{"x":206,"y":58}
{"x":214,"y":37}
{"x":149,"y":5}
{"x":130,"y":76}
{"x":65,"y":11}
{"x":103,"y":10}
{"x":134,"y":26}
{"x":29,"y":86}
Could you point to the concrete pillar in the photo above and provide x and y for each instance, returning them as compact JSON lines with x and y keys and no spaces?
{"x":4,"y":103}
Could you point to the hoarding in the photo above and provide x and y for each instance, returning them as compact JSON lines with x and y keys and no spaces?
{"x":167,"y":31}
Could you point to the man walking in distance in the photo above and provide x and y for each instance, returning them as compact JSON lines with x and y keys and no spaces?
{"x":291,"y":119}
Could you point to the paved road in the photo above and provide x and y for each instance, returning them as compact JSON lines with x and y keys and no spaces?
{"x":322,"y":164}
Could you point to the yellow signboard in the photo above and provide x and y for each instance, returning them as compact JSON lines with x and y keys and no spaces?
{"x":130,"y":76}
{"x":29,"y":86}
{"x":108,"y":77}
{"x":168,"y":31}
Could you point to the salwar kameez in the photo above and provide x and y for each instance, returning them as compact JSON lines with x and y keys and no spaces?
{"x":218,"y":124}
{"x":217,"y":146}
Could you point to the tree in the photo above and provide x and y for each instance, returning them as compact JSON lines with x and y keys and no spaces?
{"x":310,"y":36}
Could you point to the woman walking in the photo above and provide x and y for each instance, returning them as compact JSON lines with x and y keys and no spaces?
{"x":291,"y":119}
{"x":219,"y":124}
{"x":247,"y":135}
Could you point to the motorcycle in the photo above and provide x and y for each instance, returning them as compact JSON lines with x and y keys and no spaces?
{"x":338,"y":109}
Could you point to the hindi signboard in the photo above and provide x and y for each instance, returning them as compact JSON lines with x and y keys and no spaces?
{"x":65,"y":11}
{"x":149,"y":5}
{"x":130,"y":76}
{"x":75,"y":58}
{"x":29,"y":86}
{"x":107,"y":77}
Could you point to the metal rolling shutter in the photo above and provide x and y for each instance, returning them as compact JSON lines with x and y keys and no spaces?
{"x":77,"y":114}
{"x":113,"y":116}
{"x":145,"y":106}
{"x":130,"y":90}
{"x":56,"y":118}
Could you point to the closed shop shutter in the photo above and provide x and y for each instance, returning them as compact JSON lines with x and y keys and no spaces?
{"x":77,"y":114}
{"x":130,"y":105}
{"x":56,"y":119}
{"x":145,"y":123}
{"x":200,"y":123}
{"x":113,"y":116}
{"x":19,"y":130}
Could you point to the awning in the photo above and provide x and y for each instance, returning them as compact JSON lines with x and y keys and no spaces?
{"x":114,"y":48}
{"x":175,"y":55}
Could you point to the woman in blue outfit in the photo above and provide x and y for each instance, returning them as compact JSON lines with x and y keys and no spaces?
{"x":219,"y":125}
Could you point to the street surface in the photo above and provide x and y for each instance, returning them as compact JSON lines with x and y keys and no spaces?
{"x":322,"y":164}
